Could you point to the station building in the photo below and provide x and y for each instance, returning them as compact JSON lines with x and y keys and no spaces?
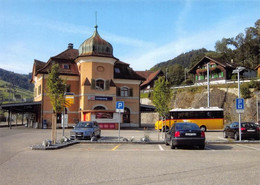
{"x":97,"y":80}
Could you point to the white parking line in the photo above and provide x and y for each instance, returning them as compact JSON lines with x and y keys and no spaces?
{"x":222,"y":138}
{"x":209,"y":148}
{"x":250,"y":147}
{"x":161,"y":148}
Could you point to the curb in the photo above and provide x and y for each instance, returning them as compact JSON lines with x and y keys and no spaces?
{"x":53,"y":147}
{"x":59,"y":146}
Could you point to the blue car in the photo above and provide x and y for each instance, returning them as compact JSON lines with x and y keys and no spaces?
{"x":85,"y":130}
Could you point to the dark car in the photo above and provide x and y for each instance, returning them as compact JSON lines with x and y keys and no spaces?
{"x":249,"y":130}
{"x":85,"y":130}
{"x":185,"y":134}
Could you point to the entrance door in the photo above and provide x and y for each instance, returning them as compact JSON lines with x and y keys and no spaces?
{"x":126,"y":115}
{"x":58,"y":117}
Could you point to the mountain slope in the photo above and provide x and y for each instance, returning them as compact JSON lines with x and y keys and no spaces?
{"x":19,"y":80}
{"x":184,"y":59}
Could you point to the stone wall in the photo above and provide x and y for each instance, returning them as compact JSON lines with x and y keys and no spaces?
{"x":219,"y":97}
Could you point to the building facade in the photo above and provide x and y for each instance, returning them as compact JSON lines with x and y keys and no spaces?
{"x":97,"y":80}
{"x":220,"y":71}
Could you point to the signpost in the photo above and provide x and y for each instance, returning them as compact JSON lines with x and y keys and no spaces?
{"x":240,"y":107}
{"x":239,"y":101}
{"x":120,"y":105}
{"x":69,"y":100}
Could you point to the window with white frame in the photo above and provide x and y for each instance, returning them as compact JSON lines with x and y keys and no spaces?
{"x":124,"y":91}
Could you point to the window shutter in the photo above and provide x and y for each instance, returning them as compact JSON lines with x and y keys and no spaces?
{"x":93,"y":83}
{"x":118,"y":91}
{"x":107,"y":84}
{"x":130,"y":92}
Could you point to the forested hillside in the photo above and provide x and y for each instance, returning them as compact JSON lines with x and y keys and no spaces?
{"x":15,"y":79}
{"x":243,"y":49}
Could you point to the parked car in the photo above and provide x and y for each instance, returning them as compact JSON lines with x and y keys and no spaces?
{"x":249,"y":130}
{"x":185,"y":134}
{"x":85,"y":129}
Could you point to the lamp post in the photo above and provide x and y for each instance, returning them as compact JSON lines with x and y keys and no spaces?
{"x":238,"y":70}
{"x":257,"y":106}
{"x":208,"y":85}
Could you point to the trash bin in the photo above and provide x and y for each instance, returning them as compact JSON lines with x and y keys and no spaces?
{"x":44,"y":124}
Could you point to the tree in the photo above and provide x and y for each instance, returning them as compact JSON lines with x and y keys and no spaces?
{"x":162,"y":96}
{"x":56,"y":89}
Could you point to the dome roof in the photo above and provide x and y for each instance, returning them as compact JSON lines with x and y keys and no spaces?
{"x":96,"y":46}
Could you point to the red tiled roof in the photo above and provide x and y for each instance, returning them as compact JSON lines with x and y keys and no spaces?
{"x":148,"y":75}
{"x":65,"y":57}
{"x":69,"y":54}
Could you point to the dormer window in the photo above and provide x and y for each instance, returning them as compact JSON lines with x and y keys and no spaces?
{"x":117,"y":70}
{"x":66,"y":66}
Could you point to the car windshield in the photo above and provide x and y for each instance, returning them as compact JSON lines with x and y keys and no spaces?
{"x":187,"y":126}
{"x":83,"y":125}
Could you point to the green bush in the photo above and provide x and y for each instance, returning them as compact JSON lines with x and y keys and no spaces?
{"x":244,"y":89}
{"x":253,"y":84}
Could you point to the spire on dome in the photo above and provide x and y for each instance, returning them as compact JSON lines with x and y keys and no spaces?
{"x":96,"y":46}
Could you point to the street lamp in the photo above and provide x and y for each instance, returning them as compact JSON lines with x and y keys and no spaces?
{"x":257,"y":105}
{"x":238,"y":70}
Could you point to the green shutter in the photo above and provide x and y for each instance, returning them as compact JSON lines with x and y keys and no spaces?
{"x":130,"y":92}
{"x":93,"y":83}
{"x":118,"y":91}
{"x":107,"y":84}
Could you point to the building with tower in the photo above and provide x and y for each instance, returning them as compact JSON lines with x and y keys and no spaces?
{"x":97,"y":80}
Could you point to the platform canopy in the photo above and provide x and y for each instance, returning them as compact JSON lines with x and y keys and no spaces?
{"x":24,"y":107}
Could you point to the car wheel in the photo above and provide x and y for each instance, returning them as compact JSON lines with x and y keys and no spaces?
{"x":172,"y":145}
{"x":99,"y":135}
{"x":202,"y":147}
{"x":225,"y":135}
{"x":236,"y":137}
{"x":165,"y":129}
{"x":203,"y":128}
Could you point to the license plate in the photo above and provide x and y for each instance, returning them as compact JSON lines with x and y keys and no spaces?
{"x":190,"y":134}
{"x":250,"y":130}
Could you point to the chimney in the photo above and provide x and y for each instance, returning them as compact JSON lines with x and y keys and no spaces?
{"x":70,"y":46}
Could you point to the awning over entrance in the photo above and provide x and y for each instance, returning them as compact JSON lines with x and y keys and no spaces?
{"x":24,"y":107}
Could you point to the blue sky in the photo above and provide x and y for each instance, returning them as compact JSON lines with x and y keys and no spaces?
{"x":142,"y":32}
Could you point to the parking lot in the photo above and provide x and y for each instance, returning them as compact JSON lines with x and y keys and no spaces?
{"x":114,"y":163}
{"x":158,"y":147}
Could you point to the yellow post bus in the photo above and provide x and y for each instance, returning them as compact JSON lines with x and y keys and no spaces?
{"x":209,"y":118}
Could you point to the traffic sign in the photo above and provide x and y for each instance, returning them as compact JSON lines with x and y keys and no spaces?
{"x":120,"y":105}
{"x":240,"y":107}
{"x":69,"y":99}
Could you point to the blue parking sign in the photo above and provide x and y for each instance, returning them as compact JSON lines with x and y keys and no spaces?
{"x":120,"y":105}
{"x":240,"y":105}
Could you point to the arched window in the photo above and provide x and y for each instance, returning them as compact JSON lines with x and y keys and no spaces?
{"x":100,"y":84}
{"x":99,"y":108}
{"x":124,"y":91}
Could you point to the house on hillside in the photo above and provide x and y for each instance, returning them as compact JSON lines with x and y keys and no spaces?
{"x":150,"y":77}
{"x":96,"y":79}
{"x":220,"y":71}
